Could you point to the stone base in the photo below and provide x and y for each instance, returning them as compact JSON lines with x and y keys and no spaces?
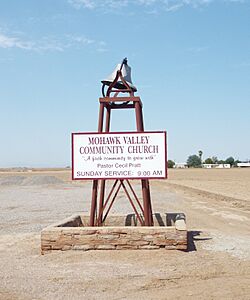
{"x":119,"y":232}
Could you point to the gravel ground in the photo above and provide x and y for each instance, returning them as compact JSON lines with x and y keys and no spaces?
{"x":216,"y":265}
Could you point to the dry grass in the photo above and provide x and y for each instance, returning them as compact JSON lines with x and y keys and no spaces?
{"x":234,"y":183}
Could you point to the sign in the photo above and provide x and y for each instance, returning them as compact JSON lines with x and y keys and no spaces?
{"x":119,"y":155}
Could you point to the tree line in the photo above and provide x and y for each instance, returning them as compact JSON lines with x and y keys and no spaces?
{"x":196,"y":161}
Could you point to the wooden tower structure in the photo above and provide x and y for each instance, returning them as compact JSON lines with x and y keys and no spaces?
{"x":102,"y":200}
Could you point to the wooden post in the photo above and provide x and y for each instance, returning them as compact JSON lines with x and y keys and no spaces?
{"x":102,"y":188}
{"x":95,"y":182}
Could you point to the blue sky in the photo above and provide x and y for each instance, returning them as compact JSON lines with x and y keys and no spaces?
{"x":190,"y":62}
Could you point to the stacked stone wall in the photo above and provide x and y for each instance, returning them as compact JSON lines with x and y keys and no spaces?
{"x":59,"y":237}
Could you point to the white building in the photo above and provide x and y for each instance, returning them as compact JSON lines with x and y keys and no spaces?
{"x":243,"y":164}
{"x":180,"y":166}
{"x":216,"y":166}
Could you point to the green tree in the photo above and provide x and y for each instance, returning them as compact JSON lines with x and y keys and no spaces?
{"x":229,"y":160}
{"x":214,"y":159}
{"x":194,"y":161}
{"x":221,"y":161}
{"x":171,"y":163}
{"x":209,"y":161}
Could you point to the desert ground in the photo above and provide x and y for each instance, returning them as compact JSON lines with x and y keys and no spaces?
{"x":216,"y":266}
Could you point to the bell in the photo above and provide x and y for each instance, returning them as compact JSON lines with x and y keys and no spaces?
{"x":126,"y":74}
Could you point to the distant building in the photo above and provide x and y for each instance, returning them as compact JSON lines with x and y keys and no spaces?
{"x":180,"y":166}
{"x":216,"y":166}
{"x":243,"y":164}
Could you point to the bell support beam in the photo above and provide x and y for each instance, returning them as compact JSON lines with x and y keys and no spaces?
{"x":134,"y":99}
{"x":93,"y":210}
{"x":102,"y":188}
{"x":144,"y":182}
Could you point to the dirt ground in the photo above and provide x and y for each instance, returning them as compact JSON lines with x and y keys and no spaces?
{"x":216,"y":265}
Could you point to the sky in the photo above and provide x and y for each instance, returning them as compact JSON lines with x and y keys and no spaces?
{"x":190,"y":62}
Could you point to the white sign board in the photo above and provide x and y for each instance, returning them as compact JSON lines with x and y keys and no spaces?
{"x":119,"y":155}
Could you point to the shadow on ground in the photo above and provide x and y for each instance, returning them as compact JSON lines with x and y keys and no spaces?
{"x":192,"y":238}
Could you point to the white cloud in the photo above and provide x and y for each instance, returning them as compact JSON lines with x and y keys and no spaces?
{"x":85,"y":3}
{"x":146,"y":2}
{"x":104,"y":4}
{"x":45,"y":44}
{"x":102,"y":47}
{"x":82,"y":40}
{"x":50,"y":43}
{"x":13,"y":42}
{"x":174,"y":7}
{"x":167,"y":5}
